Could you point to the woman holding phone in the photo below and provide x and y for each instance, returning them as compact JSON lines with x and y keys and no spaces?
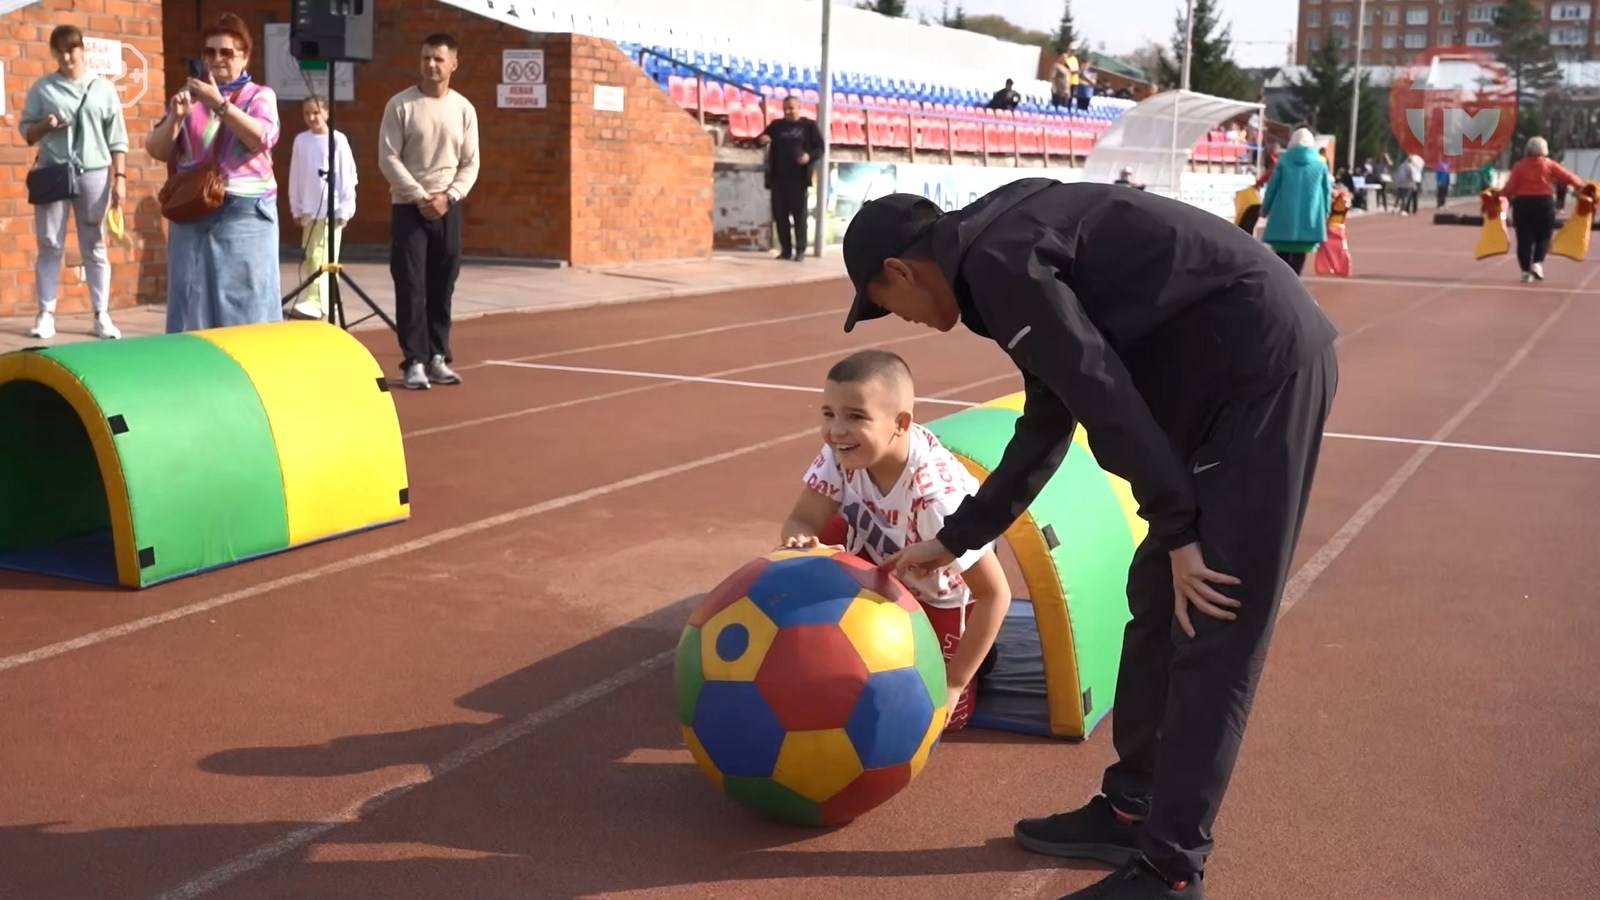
{"x":222,"y":269}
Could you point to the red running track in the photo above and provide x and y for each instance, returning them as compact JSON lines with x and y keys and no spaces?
{"x":478,"y":703}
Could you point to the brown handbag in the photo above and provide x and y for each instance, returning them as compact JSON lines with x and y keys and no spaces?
{"x":197,"y":193}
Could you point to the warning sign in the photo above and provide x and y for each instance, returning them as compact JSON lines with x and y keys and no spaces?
{"x":521,"y":96}
{"x":522,"y":66}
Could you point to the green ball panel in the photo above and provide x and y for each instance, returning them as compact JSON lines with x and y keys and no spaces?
{"x":773,"y":800}
{"x":687,"y":674}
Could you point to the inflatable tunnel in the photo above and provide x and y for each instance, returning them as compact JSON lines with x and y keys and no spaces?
{"x":1055,"y":669}
{"x":138,"y":461}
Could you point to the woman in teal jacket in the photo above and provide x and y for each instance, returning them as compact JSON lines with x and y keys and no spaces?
{"x":1297,"y":202}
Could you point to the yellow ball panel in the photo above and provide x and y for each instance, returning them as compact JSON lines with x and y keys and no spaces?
{"x":816,"y":764}
{"x":718,"y":659}
{"x":701,"y":757}
{"x":920,"y":758}
{"x":880,"y":632}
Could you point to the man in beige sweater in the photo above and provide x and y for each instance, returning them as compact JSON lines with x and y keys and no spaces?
{"x":428,"y":151}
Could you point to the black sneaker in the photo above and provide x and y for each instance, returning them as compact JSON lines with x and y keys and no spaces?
{"x":1091,"y":832}
{"x":1138,"y":880}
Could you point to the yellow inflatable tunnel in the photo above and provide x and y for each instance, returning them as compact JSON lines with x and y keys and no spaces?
{"x":1057,"y":657}
{"x":138,"y":461}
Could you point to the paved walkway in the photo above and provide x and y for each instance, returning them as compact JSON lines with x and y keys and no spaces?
{"x":486,"y":288}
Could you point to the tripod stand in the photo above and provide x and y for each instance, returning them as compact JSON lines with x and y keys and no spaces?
{"x":333,"y":302}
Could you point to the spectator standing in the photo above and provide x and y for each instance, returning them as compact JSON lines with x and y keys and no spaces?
{"x":795,"y":143}
{"x":428,"y":152}
{"x":308,"y":199}
{"x":222,"y":268}
{"x":75,"y":119}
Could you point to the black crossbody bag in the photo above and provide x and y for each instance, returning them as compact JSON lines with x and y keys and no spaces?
{"x":50,"y":184}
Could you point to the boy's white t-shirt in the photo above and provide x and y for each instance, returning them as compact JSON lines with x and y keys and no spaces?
{"x":882,"y":523}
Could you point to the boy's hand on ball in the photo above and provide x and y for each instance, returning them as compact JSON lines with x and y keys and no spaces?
{"x":799,"y":542}
{"x":922,"y":559}
{"x":1191,"y":585}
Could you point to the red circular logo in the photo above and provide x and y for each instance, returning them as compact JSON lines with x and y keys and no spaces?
{"x":1455,"y":105}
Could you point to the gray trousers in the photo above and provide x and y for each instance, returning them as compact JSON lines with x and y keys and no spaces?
{"x":50,"y":227}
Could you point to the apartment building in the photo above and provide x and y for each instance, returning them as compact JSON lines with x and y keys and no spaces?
{"x":1395,"y":31}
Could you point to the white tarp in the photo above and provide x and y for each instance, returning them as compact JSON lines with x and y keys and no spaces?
{"x":1156,"y":137}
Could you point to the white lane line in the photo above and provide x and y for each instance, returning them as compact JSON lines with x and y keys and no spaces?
{"x":1319,"y":562}
{"x":300,"y":837}
{"x":679,"y":335}
{"x":699,"y":379}
{"x":16,"y":661}
{"x":1492,"y":448}
{"x":577,"y":401}
{"x":1507,"y":286}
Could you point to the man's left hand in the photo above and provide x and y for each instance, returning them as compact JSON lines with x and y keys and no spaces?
{"x":922,"y":559}
{"x":805,"y":159}
{"x":119,"y":191}
{"x":1191,"y":585}
{"x":434,"y":206}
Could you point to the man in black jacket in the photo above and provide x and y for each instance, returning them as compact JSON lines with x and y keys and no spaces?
{"x":1203,"y":373}
{"x":796,"y":142}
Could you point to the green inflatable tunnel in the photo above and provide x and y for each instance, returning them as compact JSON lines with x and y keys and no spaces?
{"x":138,"y":461}
{"x":1074,"y":546}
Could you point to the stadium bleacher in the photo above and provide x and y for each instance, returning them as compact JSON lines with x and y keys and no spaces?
{"x":894,"y":113}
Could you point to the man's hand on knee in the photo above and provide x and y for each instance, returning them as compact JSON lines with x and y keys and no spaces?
{"x":1191,"y":585}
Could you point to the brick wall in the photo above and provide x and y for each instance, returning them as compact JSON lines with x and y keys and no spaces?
{"x":568,"y":182}
{"x":641,"y":178}
{"x":138,"y":270}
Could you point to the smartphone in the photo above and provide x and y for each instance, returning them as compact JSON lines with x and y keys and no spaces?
{"x":197,"y":70}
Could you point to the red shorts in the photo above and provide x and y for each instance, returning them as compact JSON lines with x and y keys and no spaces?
{"x":947,"y":624}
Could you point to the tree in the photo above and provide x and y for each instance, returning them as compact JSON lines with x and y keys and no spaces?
{"x":1212,"y":69}
{"x":1322,"y":99}
{"x":1525,"y":51}
{"x":959,"y":20}
{"x":1148,"y":60}
{"x":1067,"y":36}
{"x":894,"y":8}
{"x":1006,"y":30}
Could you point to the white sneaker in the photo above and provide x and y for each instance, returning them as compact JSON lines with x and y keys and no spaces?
{"x":1527,"y":277}
{"x":105,"y":329}
{"x":1538,"y":270}
{"x":44,"y":326}
{"x":416,"y":378}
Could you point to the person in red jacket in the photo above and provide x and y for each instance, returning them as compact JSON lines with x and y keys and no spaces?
{"x":1531,"y":190}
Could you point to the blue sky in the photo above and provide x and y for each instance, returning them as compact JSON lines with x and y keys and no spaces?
{"x":1126,"y":24}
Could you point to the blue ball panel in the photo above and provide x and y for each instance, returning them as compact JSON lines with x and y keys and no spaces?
{"x":806,"y":590}
{"x":732,"y":641}
{"x":738,"y":729}
{"x":890,"y":718}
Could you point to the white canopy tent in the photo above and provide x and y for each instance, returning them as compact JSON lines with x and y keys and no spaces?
{"x":1155,"y":138}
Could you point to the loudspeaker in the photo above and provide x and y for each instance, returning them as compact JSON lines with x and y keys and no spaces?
{"x":334,"y":30}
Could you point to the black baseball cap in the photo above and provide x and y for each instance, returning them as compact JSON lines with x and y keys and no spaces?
{"x":881,"y":229}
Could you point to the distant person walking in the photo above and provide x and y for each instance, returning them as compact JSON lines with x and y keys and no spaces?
{"x":1533,"y":204}
{"x":796,"y":143}
{"x":1297,"y":201}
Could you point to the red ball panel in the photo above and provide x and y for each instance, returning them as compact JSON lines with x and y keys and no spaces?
{"x":811,"y":677}
{"x":870,"y":789}
{"x":729,"y":591}
{"x":877,"y":580}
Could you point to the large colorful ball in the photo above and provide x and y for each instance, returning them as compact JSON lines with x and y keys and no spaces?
{"x":810,"y":686}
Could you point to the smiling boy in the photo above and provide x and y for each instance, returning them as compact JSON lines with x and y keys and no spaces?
{"x":893,"y":483}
